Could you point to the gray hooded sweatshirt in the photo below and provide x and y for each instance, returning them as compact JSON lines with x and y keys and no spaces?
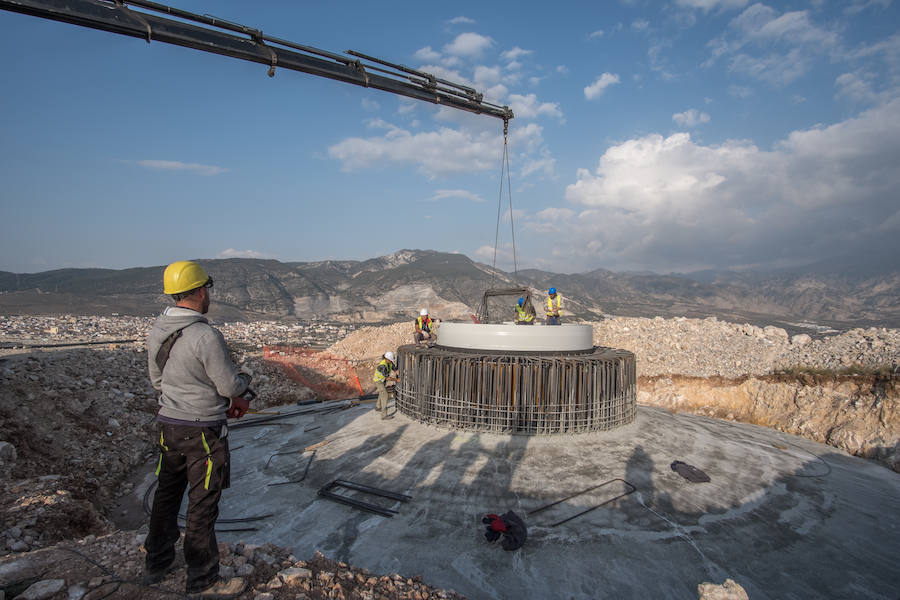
{"x":199,"y":379}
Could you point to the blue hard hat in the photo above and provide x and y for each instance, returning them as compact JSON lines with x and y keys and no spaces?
{"x":521,"y":301}
{"x":552,"y":291}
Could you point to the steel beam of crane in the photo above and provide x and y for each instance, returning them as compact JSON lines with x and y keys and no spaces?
{"x":116,"y":17}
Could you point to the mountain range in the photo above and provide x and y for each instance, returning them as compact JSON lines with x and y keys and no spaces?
{"x":395,"y":287}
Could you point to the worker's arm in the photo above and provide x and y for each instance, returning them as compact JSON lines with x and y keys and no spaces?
{"x":213,"y":353}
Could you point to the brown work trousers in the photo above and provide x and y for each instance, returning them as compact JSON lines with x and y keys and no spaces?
{"x":199,"y":458}
{"x":383,"y":395}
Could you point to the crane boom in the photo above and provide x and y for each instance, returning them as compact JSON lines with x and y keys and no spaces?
{"x":252,"y":45}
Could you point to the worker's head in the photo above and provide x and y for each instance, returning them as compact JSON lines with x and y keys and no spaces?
{"x":423,"y":312}
{"x":188,"y":284}
{"x":521,"y":301}
{"x":552,"y":291}
{"x":389,"y":356}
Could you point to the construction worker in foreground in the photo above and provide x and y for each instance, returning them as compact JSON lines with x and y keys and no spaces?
{"x":554,"y":304}
{"x":426,"y":328}
{"x":524,"y":313}
{"x":200,"y":386}
{"x":383,"y":373}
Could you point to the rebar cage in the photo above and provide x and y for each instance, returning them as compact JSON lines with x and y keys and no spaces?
{"x":535,"y":394}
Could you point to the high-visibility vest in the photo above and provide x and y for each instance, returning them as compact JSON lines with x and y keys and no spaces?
{"x":424,"y":324}
{"x":383,"y":370}
{"x":550,"y":303}
{"x":523,"y":315}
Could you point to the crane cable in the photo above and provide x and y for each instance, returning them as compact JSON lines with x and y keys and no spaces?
{"x":504,"y":164}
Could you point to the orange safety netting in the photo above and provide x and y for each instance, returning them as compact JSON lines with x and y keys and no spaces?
{"x":330,"y":377}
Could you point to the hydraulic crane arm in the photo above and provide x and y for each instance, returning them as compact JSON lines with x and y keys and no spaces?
{"x":114,"y":16}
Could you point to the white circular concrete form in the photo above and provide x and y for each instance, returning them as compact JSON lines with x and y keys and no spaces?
{"x":516,"y":338}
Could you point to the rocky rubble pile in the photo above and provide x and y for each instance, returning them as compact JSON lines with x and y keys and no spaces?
{"x":713,"y":348}
{"x":369,"y":343}
{"x":110,"y":566}
{"x":73,"y":424}
{"x":68,"y":329}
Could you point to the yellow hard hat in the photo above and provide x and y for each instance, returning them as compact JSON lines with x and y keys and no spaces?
{"x":183,"y":276}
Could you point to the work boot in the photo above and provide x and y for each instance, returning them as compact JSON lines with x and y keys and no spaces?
{"x":221,"y":589}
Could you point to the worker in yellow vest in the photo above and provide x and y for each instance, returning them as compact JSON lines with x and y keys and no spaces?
{"x":426,"y":328}
{"x":524,"y":314}
{"x":554,"y":304}
{"x":383,"y":373}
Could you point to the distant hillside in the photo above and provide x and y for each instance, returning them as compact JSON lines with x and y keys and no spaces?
{"x":394,"y":287}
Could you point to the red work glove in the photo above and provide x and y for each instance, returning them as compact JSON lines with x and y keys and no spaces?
{"x":239,"y":407}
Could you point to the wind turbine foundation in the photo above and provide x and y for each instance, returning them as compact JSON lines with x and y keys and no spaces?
{"x":519,"y":384}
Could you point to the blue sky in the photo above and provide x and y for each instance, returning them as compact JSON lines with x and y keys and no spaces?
{"x":661,"y":136}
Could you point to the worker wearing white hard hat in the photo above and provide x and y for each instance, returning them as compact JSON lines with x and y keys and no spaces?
{"x":383,"y":374}
{"x":425,"y":328}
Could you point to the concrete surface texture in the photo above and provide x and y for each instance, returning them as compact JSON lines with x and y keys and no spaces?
{"x":782,"y":516}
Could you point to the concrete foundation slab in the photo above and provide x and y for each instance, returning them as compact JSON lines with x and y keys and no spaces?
{"x":782,"y":516}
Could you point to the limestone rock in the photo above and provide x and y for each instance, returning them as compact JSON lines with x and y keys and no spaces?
{"x":727,"y":591}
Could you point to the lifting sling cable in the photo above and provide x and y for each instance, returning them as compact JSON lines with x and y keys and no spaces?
{"x":504,"y":164}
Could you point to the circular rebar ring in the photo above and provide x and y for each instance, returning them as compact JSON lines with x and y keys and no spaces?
{"x":526,"y":393}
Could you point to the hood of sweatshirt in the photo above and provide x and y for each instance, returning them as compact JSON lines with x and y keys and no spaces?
{"x":171,"y":320}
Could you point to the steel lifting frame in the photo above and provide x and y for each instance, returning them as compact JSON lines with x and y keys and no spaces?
{"x":326,"y":492}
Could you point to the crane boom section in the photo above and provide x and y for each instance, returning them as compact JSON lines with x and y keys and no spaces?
{"x":117,"y":18}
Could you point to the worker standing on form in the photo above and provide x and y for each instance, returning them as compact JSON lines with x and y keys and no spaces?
{"x":554,"y":304}
{"x":383,"y":374}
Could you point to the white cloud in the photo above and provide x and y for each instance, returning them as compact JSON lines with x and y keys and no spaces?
{"x":233,"y":253}
{"x":545,"y":164}
{"x":739,"y":91}
{"x":708,"y":5}
{"x":857,"y":6}
{"x":449,"y":194}
{"x":596,"y":89}
{"x":856,"y":87}
{"x":515,"y":53}
{"x":690,"y":118}
{"x":461,"y":21}
{"x":640,"y":24}
{"x":770,"y":47}
{"x":469,"y":45}
{"x":594,"y":35}
{"x":562,"y":69}
{"x":550,"y":220}
{"x":669,"y":203}
{"x":174,"y":165}
{"x":437,"y":152}
{"x":528,"y":107}
{"x":369,"y":105}
{"x":426,"y":54}
{"x":503,"y":254}
{"x":486,"y":76}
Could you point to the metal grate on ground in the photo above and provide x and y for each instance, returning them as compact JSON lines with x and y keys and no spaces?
{"x":532,"y":393}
